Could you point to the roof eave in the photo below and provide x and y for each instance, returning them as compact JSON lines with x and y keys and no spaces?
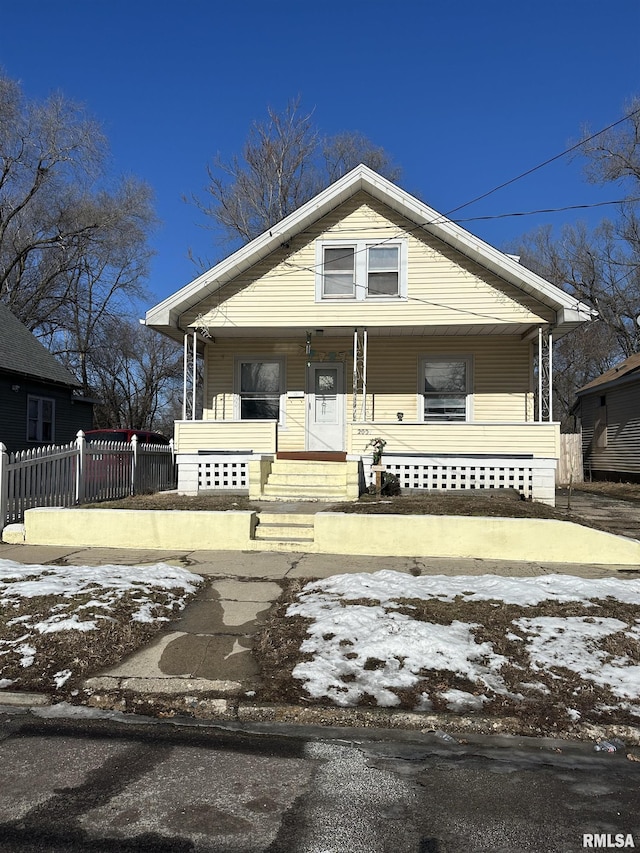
{"x":166,"y":314}
{"x":625,"y":379}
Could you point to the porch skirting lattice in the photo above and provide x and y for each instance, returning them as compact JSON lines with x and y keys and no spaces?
{"x":228,"y":474}
{"x":439,"y":474}
{"x":532,"y":477}
{"x":528,"y":475}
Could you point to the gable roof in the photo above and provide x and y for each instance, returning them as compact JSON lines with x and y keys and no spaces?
{"x":570,"y":312}
{"x":627,"y":370}
{"x":22,"y":353}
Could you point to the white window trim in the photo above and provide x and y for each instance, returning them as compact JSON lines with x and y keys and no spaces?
{"x":470,"y":384}
{"x":40,"y":400}
{"x":361,"y":272}
{"x":243,"y":359}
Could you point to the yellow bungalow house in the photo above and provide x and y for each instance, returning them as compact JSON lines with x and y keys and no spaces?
{"x":367,"y":315}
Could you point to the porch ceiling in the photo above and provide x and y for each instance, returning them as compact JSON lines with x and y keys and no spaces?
{"x":519,"y":329}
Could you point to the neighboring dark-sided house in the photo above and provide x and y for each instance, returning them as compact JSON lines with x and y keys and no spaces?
{"x":609,"y":412}
{"x":39,"y":401}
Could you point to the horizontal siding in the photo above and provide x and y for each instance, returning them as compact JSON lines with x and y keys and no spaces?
{"x":70,"y":414}
{"x":444,"y":286}
{"x":192,"y":436}
{"x":542,"y":440}
{"x":622,"y":453}
{"x":501,"y":377}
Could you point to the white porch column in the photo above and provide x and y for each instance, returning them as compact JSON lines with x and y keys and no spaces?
{"x":360,"y":342}
{"x":545,"y":374}
{"x":539,"y":374}
{"x":193,"y":377}
{"x":365,"y":343}
{"x":550,"y":375}
{"x":185,"y":359}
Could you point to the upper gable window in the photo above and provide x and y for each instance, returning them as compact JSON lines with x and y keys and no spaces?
{"x":339,"y":266}
{"x":361,"y":270}
{"x":383,"y":271}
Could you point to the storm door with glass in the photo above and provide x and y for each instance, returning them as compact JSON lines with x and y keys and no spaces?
{"x":325,"y":407}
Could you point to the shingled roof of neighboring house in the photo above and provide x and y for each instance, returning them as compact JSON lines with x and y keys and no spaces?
{"x":23,"y":354}
{"x":619,"y":371}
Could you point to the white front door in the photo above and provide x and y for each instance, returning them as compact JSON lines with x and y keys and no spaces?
{"x":325,"y":407}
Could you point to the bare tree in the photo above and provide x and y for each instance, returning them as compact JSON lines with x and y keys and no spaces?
{"x":614,"y":156}
{"x":600,"y":266}
{"x":74,"y":257}
{"x":105,"y":273}
{"x":345,"y":151}
{"x":272,"y":178}
{"x":50,"y":153}
{"x":136,"y":375}
{"x":284,"y":163}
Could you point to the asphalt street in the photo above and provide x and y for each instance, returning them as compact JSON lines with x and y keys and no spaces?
{"x":129,"y":784}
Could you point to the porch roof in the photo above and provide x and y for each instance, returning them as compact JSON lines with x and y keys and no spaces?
{"x":570,"y":312}
{"x":523,"y":330}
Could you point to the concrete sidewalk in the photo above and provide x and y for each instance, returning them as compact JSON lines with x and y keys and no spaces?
{"x":203,"y":663}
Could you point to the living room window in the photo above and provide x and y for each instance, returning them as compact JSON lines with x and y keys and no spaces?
{"x":446,"y":388}
{"x":361,"y":270}
{"x":259,"y":384}
{"x":40,"y":415}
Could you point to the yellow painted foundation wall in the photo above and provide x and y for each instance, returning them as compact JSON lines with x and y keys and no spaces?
{"x":336,"y":533}
{"x":501,"y":385}
{"x":471,"y":537}
{"x":122,"y":528}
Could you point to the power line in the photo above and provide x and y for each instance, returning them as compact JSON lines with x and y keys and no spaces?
{"x":545,"y":163}
{"x":373,"y":228}
{"x":547,"y":210}
{"x":445,"y":217}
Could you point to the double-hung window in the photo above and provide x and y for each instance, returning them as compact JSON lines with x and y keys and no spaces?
{"x":339,"y":273}
{"x":446,"y":388}
{"x":383,"y":271}
{"x":259,"y":384}
{"x":361,"y":270}
{"x":40,"y":415}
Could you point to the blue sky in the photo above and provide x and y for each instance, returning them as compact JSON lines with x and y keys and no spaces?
{"x":464,"y":95}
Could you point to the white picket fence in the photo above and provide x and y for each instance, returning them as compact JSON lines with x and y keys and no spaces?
{"x":81,"y":472}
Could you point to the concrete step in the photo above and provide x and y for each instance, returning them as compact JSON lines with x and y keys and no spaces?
{"x":309,"y":492}
{"x":284,"y":531}
{"x":304,"y":518}
{"x":299,"y":466}
{"x":286,"y":527}
{"x":304,"y":478}
{"x":300,"y":540}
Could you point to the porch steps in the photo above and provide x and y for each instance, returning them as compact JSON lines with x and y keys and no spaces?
{"x":306,"y":480}
{"x":287,"y":529}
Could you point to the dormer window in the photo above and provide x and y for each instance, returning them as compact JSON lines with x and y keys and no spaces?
{"x":361,"y":270}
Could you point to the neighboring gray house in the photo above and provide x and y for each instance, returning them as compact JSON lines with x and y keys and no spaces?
{"x":39,"y":402}
{"x":609,"y":411}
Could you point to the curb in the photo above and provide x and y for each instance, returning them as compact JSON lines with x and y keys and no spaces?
{"x":190,"y":708}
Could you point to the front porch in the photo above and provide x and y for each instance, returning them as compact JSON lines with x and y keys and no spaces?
{"x":242,"y":456}
{"x":450,"y":415}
